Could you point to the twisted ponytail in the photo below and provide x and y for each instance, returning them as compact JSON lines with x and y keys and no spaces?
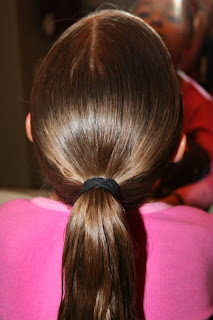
{"x":101,"y":107}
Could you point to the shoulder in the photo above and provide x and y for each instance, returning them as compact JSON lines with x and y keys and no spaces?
{"x":15,"y":218}
{"x":191,"y":224}
{"x":25,"y":221}
{"x":192,"y":215}
{"x":32,"y":212}
{"x":181,"y":219}
{"x":185,"y":229}
{"x":32,"y":209}
{"x":15,"y":206}
{"x":190,"y":86}
{"x":17,"y":214}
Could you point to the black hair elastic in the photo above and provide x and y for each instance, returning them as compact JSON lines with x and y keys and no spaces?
{"x":108,"y":184}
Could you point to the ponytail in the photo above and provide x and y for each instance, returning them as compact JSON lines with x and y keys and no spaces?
{"x":101,"y":107}
{"x":97,"y":263}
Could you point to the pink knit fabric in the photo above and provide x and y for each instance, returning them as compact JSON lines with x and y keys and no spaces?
{"x":179,"y":270}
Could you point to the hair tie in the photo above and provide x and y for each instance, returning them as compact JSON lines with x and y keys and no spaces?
{"x":108,"y":184}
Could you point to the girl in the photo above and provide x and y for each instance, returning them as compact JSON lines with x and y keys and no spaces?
{"x":106,"y":116}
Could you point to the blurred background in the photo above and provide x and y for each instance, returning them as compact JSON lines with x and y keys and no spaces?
{"x":27,"y":30}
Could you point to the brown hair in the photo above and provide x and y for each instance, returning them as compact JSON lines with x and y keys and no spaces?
{"x":106,"y":103}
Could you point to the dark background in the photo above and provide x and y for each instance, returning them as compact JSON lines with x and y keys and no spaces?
{"x":27,"y":30}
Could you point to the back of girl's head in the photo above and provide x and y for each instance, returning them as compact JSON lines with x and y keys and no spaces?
{"x":105,"y":103}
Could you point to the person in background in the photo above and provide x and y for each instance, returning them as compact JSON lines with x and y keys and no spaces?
{"x":191,"y":181}
{"x":104,"y":124}
{"x":197,"y":61}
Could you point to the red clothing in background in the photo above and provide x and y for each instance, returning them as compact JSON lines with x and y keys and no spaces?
{"x":198,"y":125}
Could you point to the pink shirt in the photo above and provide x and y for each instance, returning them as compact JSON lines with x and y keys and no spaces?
{"x":179,"y":270}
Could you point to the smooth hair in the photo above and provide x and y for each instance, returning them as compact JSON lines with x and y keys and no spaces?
{"x":105,"y":103}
